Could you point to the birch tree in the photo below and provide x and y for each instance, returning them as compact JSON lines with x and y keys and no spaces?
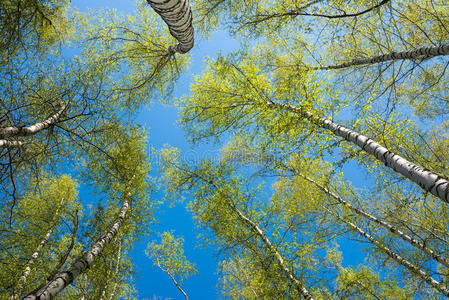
{"x":220,"y":199}
{"x":38,"y":228}
{"x":241,"y":94}
{"x":367,"y":52}
{"x":69,"y":113}
{"x":126,"y":179}
{"x":299,"y":208}
{"x":54,"y":107}
{"x":361,"y":45}
{"x":307,"y":198}
{"x":178,"y":17}
{"x":169,"y":257}
{"x":348,"y":211}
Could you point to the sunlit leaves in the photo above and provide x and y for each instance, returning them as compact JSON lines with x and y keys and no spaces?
{"x":169,"y":256}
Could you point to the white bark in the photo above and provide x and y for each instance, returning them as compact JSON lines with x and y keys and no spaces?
{"x":173,"y":279}
{"x":33,"y":129}
{"x":426,"y":179}
{"x":418,"y":54}
{"x":303,"y":291}
{"x":27,"y":270}
{"x":396,"y":257}
{"x":117,"y":267}
{"x":63,"y":279}
{"x":415,"y":243}
{"x":178,"y":17}
{"x":253,"y":226}
{"x":11,"y":144}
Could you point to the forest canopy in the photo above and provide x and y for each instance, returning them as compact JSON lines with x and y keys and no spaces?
{"x":329,"y":123}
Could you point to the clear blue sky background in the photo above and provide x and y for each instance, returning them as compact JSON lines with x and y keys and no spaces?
{"x":161,"y":122}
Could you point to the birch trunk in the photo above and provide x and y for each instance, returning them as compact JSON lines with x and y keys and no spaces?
{"x":178,"y":17}
{"x":415,"y":243}
{"x":27,"y":270}
{"x":396,"y":257}
{"x":253,"y":226}
{"x":426,"y":179}
{"x":418,"y":54}
{"x":117,"y":265}
{"x":63,"y":279}
{"x":10,"y":144}
{"x":174,"y":280}
{"x":302,"y":291}
{"x":33,"y":129}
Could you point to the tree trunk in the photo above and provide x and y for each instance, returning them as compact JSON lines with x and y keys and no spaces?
{"x":415,"y":243}
{"x":174,"y":280}
{"x":302,"y":291}
{"x":418,"y":54}
{"x":10,"y":144}
{"x":27,"y":270}
{"x":117,"y":267}
{"x":253,"y":227}
{"x":396,"y":257}
{"x":426,"y":179}
{"x":63,"y":279}
{"x":178,"y":17}
{"x":33,"y":129}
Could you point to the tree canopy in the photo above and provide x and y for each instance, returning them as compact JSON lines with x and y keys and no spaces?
{"x":330,"y":124}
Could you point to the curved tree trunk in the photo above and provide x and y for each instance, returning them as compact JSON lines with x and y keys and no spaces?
{"x":396,"y":257}
{"x":174,"y":280}
{"x":33,"y":129}
{"x":178,"y":17}
{"x":426,"y":179}
{"x":420,"y":53}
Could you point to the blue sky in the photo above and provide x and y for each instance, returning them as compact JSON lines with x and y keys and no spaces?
{"x":161,"y":122}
